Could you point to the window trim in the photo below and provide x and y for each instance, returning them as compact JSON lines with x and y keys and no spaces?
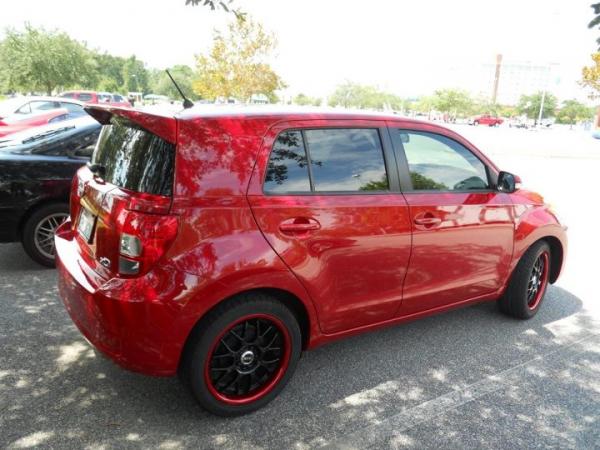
{"x":389,"y":161}
{"x":404,"y":170}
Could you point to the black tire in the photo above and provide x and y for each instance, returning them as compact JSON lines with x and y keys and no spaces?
{"x":213,"y":329}
{"x":516,"y":301}
{"x":46,"y":213}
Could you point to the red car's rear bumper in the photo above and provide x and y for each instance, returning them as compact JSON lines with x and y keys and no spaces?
{"x":119,"y":317}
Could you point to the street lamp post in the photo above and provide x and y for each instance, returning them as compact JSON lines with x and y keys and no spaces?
{"x":542,"y":106}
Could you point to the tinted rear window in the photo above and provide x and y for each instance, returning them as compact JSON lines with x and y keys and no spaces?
{"x":134,"y":158}
{"x":288,"y":166}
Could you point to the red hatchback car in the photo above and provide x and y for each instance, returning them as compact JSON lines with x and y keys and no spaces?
{"x":219,"y":244}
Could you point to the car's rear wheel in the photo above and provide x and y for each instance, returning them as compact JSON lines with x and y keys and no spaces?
{"x":527,"y":286}
{"x":242,"y":354}
{"x":38,"y":232}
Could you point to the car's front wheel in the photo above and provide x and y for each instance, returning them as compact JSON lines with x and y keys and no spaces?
{"x":527,"y":286}
{"x":242,"y":354}
{"x":38,"y":232}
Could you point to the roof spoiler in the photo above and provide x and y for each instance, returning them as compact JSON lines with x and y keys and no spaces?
{"x":164,"y":126}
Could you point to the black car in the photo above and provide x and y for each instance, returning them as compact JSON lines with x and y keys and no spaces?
{"x":36,"y":169}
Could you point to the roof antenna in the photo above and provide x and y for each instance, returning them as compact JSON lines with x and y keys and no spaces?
{"x":187,"y":103}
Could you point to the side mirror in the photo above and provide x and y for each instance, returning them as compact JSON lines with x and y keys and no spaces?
{"x":507,"y":182}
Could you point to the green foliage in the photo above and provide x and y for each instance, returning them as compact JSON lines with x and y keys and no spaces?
{"x":40,"y":60}
{"x":421,"y":182}
{"x":454,"y":101}
{"x":304,"y":100}
{"x":161,"y":84}
{"x":573,"y":111}
{"x":236,"y":64}
{"x":352,"y":95}
{"x":530,"y":105}
{"x":596,"y":20}
{"x":36,"y":60}
{"x":225,"y":5}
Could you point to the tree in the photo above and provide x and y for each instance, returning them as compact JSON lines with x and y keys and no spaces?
{"x":353,"y":95}
{"x":135,"y":75}
{"x":302,"y":100}
{"x":453,"y":101}
{"x":225,"y":5}
{"x":591,"y":76}
{"x":40,"y":60}
{"x":530,"y":105}
{"x":236,"y":64}
{"x":596,"y":20}
{"x":160,"y":83}
{"x":573,"y":111}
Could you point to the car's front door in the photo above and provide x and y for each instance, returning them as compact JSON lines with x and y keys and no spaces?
{"x":463,"y":228}
{"x":325,"y":202}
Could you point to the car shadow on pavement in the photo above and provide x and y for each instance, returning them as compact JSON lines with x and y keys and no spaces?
{"x":55,"y":391}
{"x":15,"y":259}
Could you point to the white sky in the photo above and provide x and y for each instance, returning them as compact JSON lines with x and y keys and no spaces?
{"x":401,"y":46}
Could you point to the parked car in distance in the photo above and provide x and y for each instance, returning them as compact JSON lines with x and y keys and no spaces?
{"x":93,"y":97}
{"x":220,"y":242}
{"x":36,"y":169}
{"x":487,"y":119}
{"x":18,"y":122}
{"x":26,"y":105}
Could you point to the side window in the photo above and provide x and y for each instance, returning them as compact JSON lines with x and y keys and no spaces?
{"x":84,"y":97}
{"x":25,"y":109}
{"x":288,"y":167}
{"x":43,"y":106}
{"x":59,"y":118}
{"x":438,"y":163}
{"x":73,"y":108}
{"x":346,"y":160}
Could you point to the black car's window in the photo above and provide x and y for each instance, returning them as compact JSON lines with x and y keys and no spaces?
{"x":59,"y":118}
{"x":84,"y":97}
{"x":346,"y":160}
{"x":438,"y":163}
{"x":37,"y":106}
{"x":73,"y":108}
{"x":134,"y":158}
{"x":69,"y":143}
{"x":288,"y":168}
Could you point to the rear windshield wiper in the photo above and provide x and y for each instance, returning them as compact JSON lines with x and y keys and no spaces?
{"x":46,"y":134}
{"x":96,"y":169}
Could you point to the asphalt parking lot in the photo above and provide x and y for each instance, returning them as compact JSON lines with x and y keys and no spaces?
{"x":470,"y":378}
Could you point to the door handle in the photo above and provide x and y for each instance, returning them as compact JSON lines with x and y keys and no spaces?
{"x":299,"y":225}
{"x":428,"y":220}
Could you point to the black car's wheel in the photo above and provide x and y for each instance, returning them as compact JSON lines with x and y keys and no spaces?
{"x":38,"y":232}
{"x":527,"y":286}
{"x":242,"y":354}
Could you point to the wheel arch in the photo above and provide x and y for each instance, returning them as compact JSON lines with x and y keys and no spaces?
{"x":288,"y":298}
{"x":35,"y":207}
{"x":556,"y":256}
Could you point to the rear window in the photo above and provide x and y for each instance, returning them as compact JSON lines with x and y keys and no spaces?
{"x":134,"y":158}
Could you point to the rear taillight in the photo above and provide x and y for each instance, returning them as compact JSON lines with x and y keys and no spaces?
{"x":77,"y":190}
{"x":142,"y":234}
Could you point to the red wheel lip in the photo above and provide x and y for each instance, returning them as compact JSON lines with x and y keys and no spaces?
{"x":538,"y":296}
{"x":268,"y":387}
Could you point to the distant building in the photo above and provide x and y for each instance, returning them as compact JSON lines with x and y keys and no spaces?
{"x":516,"y":78}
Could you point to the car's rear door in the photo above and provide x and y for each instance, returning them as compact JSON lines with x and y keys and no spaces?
{"x":326,"y":196}
{"x":463,"y":228}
